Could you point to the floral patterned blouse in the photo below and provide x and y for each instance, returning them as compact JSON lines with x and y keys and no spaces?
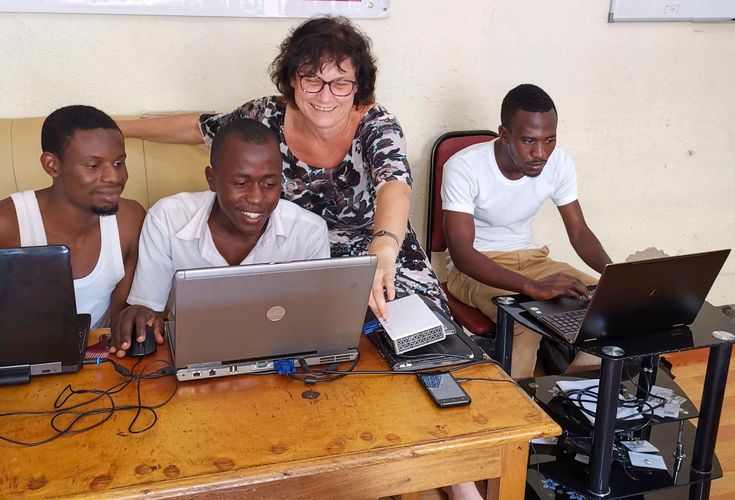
{"x":345,"y":195}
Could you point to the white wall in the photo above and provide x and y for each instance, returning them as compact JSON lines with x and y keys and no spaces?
{"x":645,"y":109}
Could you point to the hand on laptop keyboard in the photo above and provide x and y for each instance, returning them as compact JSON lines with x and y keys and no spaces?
{"x":556,"y":285}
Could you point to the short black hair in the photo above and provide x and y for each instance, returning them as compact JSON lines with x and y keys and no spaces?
{"x":245,"y":129}
{"x":333,"y":38}
{"x":525,"y":97}
{"x":59,"y":127}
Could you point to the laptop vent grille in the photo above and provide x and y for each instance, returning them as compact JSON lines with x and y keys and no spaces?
{"x":339,"y":358}
{"x":419,"y":339}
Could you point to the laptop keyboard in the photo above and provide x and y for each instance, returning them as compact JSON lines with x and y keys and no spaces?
{"x":566,"y":322}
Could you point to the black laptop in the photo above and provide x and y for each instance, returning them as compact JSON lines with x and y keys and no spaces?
{"x":456,"y":348}
{"x":41,"y":332}
{"x":634,"y":297}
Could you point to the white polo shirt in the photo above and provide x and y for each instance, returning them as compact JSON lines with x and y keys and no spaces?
{"x":176,"y":235}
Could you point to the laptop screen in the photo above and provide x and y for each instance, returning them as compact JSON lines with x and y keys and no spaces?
{"x":38,"y":315}
{"x":263,"y":310}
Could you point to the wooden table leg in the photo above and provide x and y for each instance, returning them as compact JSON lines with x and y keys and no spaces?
{"x":410,"y":496}
{"x":511,"y":485}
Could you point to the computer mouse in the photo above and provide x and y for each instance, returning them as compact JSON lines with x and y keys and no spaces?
{"x":148,"y":346}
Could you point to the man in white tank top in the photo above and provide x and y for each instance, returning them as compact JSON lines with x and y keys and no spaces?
{"x":84,"y":153}
{"x":490,"y":194}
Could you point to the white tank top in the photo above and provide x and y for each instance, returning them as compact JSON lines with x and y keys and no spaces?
{"x":94,"y":290}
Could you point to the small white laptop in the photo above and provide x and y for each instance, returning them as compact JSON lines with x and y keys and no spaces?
{"x":253,"y":318}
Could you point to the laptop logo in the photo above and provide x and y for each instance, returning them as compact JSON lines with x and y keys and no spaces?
{"x":275,"y":313}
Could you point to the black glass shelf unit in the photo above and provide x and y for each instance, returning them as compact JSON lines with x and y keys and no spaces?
{"x":605,"y":476}
{"x":555,"y":472}
{"x":544,"y":391}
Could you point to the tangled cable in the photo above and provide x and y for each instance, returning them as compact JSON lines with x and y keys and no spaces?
{"x":77,"y":412}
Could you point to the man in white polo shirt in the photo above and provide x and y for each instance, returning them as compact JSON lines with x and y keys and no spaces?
{"x":490,"y":193}
{"x":241,"y":220}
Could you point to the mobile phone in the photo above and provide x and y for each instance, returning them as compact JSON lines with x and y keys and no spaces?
{"x":444,"y":390}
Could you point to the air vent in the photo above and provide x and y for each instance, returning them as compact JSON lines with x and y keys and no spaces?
{"x":419,"y":339}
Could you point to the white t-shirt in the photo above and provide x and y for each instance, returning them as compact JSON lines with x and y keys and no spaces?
{"x":503,"y":208}
{"x":176,"y":235}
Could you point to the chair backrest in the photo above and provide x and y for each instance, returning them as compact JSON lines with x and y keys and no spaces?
{"x":444,"y":147}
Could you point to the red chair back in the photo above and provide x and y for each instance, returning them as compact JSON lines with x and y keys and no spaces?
{"x":444,"y":147}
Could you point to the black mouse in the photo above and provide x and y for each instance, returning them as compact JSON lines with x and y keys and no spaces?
{"x":148,"y":346}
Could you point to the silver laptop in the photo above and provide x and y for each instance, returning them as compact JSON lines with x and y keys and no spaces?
{"x":256,"y":318}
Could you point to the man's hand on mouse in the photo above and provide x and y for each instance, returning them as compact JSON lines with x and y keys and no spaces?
{"x":556,"y":285}
{"x":122,"y":327}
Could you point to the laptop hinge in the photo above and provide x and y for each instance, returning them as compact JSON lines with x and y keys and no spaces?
{"x":16,"y":374}
{"x":329,"y":352}
{"x":46,"y":368}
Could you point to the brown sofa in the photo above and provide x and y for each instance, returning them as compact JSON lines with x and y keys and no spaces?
{"x":154,"y":170}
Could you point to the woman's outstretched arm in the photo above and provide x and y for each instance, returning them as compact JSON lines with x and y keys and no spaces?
{"x":173,"y":129}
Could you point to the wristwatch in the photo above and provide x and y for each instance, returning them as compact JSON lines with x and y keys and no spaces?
{"x":387,"y":233}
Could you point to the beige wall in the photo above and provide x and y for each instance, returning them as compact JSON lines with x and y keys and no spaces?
{"x":645,"y":109}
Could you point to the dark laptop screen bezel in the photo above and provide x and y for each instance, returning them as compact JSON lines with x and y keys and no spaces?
{"x":38,"y":307}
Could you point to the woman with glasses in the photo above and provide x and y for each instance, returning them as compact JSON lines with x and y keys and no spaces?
{"x":343,"y":154}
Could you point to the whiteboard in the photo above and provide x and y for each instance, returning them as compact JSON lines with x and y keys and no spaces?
{"x":672,"y":10}
{"x":214,"y":8}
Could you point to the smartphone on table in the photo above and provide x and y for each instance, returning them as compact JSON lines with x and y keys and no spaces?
{"x":444,"y":390}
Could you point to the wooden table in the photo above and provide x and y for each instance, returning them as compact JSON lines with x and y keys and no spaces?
{"x":257,"y":437}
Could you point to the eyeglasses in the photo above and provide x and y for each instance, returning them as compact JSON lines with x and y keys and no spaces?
{"x":313,"y":85}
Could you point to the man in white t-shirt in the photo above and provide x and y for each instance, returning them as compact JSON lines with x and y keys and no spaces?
{"x":490,"y":193}
{"x":241,"y":220}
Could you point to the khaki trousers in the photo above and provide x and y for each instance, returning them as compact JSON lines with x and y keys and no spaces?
{"x":536,"y":265}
